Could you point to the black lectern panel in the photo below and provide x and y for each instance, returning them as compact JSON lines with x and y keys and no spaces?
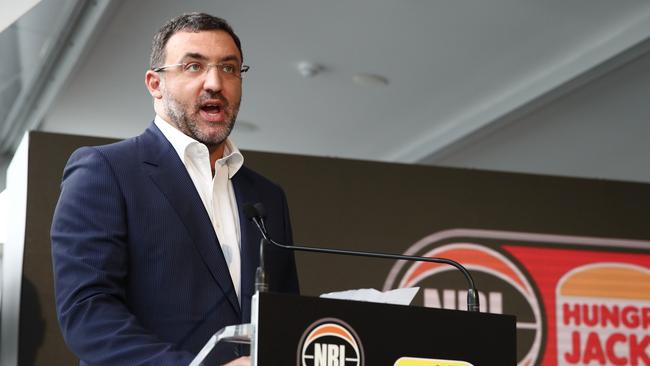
{"x":295,"y":330}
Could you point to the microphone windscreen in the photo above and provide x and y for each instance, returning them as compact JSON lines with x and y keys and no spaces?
{"x":251,"y":211}
{"x":261,"y":211}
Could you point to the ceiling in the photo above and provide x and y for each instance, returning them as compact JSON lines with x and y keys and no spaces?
{"x":551,"y":87}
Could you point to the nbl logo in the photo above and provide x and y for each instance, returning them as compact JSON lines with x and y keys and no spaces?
{"x":504,"y":289}
{"x":330,"y":342}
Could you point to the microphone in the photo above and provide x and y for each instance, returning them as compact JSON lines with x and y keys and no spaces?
{"x":257,"y":214}
{"x":261,"y":211}
{"x":257,"y":217}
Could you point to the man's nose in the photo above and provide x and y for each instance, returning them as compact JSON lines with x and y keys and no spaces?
{"x":213,"y":79}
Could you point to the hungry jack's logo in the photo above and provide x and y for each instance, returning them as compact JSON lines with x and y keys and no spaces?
{"x":604,"y":315}
{"x":330,"y":342}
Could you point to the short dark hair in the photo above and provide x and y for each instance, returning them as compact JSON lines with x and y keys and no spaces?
{"x":192,"y":22}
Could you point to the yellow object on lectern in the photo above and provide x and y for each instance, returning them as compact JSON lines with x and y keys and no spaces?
{"x":412,"y":361}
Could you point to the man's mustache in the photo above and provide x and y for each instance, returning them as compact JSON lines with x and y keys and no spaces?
{"x":205,"y":96}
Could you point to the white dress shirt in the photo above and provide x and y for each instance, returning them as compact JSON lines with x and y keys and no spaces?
{"x":216,"y":191}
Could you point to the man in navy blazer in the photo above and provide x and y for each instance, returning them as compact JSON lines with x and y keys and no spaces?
{"x":152,"y":252}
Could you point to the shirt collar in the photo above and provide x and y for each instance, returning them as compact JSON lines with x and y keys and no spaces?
{"x":232,"y":157}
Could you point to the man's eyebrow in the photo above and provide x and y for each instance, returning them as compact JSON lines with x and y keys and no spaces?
{"x":230,"y":58}
{"x":201,"y":57}
{"x":194,"y":56}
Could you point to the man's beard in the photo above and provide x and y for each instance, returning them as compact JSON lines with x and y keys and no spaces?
{"x":189,"y":125}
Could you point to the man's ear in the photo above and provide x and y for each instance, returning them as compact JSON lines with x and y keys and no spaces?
{"x":152,"y":80}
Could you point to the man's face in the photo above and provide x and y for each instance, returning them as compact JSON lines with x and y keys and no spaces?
{"x":203,"y":107}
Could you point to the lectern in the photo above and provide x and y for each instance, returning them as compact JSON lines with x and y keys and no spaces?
{"x":308,"y":331}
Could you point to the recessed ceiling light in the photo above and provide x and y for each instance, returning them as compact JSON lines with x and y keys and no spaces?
{"x":372,"y":80}
{"x":309,"y":69}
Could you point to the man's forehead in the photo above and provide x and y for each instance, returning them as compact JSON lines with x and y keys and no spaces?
{"x":210,"y":43}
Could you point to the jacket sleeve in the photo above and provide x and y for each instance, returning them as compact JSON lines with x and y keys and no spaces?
{"x":90,"y":262}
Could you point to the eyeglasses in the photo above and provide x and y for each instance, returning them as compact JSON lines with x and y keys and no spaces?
{"x":197,"y":69}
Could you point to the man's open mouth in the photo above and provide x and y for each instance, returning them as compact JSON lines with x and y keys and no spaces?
{"x":212,"y":108}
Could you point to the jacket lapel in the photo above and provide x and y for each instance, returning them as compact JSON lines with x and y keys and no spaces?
{"x":163,"y":165}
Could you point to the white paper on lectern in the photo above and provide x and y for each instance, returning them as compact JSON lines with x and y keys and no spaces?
{"x":400,"y":296}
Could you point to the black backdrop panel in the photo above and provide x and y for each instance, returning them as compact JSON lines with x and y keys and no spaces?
{"x":349,"y":204}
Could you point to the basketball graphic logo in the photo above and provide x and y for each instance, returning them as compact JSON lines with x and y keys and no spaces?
{"x":330,"y":342}
{"x":503,"y":288}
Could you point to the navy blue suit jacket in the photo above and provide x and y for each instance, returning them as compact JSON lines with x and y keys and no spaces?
{"x":139,"y":275}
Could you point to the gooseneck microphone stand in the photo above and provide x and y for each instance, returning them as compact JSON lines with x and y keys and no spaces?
{"x":257,"y":214}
